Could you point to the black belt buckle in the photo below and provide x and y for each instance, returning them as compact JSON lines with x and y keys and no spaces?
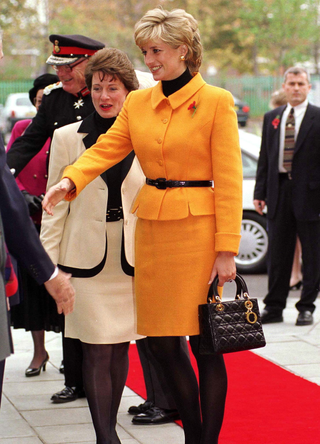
{"x":161,"y":183}
{"x":114,"y":214}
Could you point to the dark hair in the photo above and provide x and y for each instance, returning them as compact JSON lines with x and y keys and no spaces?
{"x":112,"y":62}
{"x":40,"y":83}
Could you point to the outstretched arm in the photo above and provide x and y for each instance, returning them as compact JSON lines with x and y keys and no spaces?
{"x":56,"y":194}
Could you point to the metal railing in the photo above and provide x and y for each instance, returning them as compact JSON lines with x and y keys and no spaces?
{"x":255,"y":91}
{"x":16,"y":86}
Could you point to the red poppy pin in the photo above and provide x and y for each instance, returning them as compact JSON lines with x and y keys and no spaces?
{"x":276,"y":122}
{"x":192,"y":106}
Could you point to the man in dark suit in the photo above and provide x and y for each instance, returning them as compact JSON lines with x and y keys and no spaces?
{"x":21,"y":237}
{"x":65,"y":102}
{"x":288,"y":182}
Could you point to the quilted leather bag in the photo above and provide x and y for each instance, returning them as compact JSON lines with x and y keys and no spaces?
{"x":230,"y":326}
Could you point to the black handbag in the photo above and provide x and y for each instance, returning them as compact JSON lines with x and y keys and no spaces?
{"x":230,"y":326}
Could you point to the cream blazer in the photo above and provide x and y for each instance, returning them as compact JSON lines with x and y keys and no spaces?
{"x":75,"y":236}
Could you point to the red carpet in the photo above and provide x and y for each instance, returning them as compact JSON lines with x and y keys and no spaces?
{"x":265,"y":404}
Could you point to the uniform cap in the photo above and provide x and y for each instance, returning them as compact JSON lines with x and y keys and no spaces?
{"x":68,"y":49}
{"x":40,"y":83}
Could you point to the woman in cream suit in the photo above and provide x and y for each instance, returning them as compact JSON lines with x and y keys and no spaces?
{"x":92,"y":238}
{"x":185,"y":135}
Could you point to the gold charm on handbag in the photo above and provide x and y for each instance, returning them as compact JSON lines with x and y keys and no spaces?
{"x":230,"y":326}
{"x":250,"y":315}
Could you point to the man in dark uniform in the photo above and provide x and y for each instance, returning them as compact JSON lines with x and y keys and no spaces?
{"x":65,"y":102}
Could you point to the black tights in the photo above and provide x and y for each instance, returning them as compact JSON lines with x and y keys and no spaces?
{"x":184,"y":387}
{"x":105,"y":370}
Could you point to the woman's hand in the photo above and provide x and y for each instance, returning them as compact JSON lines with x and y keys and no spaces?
{"x":56,"y":193}
{"x":224,"y":267}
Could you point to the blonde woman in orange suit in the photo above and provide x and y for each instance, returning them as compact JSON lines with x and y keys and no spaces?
{"x":184,"y":133}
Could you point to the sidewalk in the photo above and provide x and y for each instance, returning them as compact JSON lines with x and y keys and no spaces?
{"x":27,"y":415}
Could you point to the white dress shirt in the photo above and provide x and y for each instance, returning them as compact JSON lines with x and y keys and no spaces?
{"x":299,"y":112}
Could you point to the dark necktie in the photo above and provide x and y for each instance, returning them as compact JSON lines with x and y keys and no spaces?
{"x":289,"y":142}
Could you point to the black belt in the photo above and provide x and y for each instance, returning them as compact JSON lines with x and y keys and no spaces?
{"x":161,"y":183}
{"x":114,"y":214}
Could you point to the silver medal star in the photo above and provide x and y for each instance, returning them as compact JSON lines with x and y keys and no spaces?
{"x":78,"y":104}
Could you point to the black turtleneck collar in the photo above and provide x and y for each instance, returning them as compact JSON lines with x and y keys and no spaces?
{"x":94,"y":125}
{"x":171,"y":86}
{"x":102,"y":123}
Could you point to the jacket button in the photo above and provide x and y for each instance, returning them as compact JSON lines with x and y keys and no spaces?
{"x":46,"y":176}
{"x":79,"y":117}
{"x":159,"y":141}
{"x":165,"y":120}
{"x":160,"y":162}
{"x":35,"y":176}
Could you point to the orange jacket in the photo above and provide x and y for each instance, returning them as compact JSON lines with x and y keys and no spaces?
{"x":174,"y":142}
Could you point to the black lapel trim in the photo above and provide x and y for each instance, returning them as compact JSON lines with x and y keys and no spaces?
{"x":126,"y":267}
{"x":88,"y":126}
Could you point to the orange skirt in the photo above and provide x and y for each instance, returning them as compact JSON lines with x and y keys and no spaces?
{"x":174,"y":260}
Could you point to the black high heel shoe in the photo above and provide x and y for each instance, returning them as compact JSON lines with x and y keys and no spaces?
{"x":36,"y":371}
{"x":296,"y":286}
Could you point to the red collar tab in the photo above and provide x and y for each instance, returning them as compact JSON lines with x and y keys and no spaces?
{"x":84,"y":92}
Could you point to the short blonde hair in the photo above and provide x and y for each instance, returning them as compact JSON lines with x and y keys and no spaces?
{"x":175,"y":28}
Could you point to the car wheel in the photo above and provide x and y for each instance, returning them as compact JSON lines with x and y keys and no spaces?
{"x":252,"y":257}
{"x":243,"y":124}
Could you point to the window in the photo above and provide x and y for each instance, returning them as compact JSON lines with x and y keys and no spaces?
{"x":249,"y":165}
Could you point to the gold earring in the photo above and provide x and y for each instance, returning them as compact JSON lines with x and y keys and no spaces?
{"x":182,"y":58}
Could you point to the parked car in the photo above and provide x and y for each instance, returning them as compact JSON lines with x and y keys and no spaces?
{"x":252,"y":257}
{"x":17,"y":107}
{"x":242,"y":109}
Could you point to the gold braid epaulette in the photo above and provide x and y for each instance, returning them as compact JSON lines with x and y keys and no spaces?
{"x":52,"y":87}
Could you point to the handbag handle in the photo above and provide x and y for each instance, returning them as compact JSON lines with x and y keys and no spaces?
{"x":241,"y":291}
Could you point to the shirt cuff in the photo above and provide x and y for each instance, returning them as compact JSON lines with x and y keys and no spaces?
{"x":54,"y":274}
